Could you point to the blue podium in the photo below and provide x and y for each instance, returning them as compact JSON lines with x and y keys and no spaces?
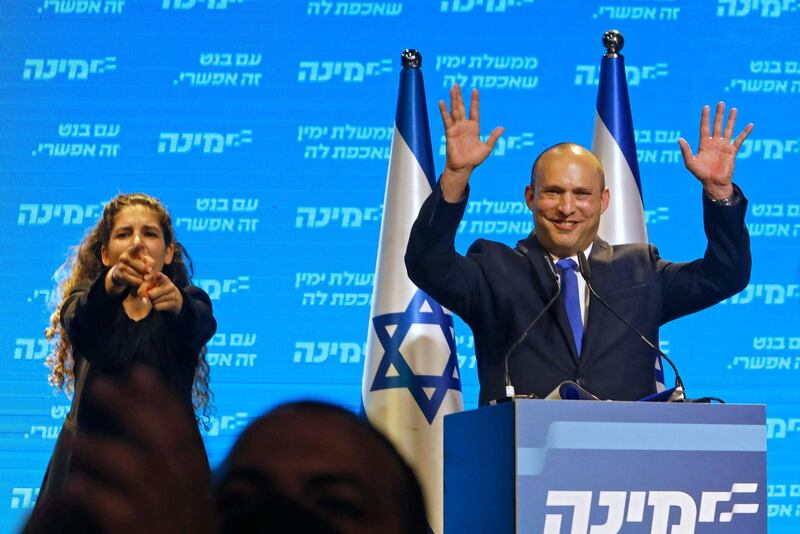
{"x":594,"y":467}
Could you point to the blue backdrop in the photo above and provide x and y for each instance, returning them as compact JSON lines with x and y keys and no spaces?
{"x":265,"y":127}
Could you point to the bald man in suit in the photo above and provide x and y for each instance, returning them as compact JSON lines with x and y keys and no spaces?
{"x":498,"y":290}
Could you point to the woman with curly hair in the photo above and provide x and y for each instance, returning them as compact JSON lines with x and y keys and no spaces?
{"x":127,"y":300}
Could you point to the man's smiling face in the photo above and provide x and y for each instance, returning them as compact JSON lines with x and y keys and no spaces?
{"x":567,"y":197}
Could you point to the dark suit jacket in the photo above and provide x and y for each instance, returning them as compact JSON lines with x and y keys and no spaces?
{"x":498,"y":290}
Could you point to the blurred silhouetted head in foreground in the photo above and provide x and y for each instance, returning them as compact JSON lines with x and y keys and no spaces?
{"x":314,"y":467}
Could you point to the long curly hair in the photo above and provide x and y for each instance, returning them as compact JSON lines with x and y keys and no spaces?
{"x":84,"y":262}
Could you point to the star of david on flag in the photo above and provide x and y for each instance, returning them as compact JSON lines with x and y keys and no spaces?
{"x":394,"y":370}
{"x":411,"y":378}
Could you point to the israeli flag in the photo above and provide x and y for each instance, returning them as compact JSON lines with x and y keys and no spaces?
{"x":411,"y":377}
{"x":614,"y":145}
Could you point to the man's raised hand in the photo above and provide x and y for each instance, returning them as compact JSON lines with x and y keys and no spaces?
{"x":465,"y":150}
{"x":716,"y":155}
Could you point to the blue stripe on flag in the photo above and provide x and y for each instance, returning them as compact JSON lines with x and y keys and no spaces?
{"x":614,"y":108}
{"x":412,"y":119}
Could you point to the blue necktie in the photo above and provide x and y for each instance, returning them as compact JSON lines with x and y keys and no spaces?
{"x":569,"y":288}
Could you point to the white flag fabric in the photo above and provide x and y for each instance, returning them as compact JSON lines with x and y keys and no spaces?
{"x":411,"y":378}
{"x":614,"y":145}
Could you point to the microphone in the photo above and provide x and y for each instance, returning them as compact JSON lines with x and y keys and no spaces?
{"x":587,"y":276}
{"x":552,"y":272}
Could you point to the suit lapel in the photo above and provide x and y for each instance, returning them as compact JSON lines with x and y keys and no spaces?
{"x":535,"y":253}
{"x":600,"y":265}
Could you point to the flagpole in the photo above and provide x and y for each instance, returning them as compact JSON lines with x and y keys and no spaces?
{"x":411,"y":377}
{"x":614,"y":144}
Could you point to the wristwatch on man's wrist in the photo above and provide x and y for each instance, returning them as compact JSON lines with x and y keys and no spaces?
{"x":732,"y":200}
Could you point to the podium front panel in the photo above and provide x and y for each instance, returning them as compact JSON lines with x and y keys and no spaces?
{"x":608,"y":467}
